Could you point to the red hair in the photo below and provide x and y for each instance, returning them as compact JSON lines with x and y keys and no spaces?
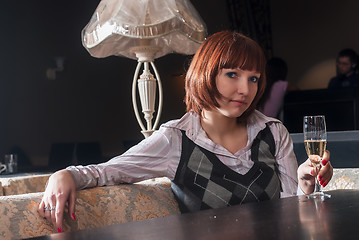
{"x":222,"y":50}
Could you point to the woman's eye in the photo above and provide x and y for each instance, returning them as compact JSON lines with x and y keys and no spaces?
{"x":231,"y":74}
{"x":253,"y":79}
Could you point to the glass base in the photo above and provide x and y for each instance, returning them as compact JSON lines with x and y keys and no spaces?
{"x":319,"y":195}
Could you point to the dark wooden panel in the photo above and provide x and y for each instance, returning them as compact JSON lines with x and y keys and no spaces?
{"x":340,"y":107}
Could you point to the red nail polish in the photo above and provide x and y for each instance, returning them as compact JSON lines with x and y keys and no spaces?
{"x":59,"y":230}
{"x":73,"y":216}
{"x":325,"y":184}
{"x":319,"y":177}
{"x":324,"y":162}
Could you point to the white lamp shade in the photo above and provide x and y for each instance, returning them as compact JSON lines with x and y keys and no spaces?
{"x":118,"y":25}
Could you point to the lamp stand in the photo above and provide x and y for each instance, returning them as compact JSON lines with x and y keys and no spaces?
{"x":146,"y":84}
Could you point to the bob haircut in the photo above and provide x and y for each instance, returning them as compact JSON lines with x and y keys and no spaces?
{"x":221,"y":50}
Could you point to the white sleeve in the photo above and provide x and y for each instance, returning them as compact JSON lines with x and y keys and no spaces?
{"x":287,"y":162}
{"x":156,"y":156}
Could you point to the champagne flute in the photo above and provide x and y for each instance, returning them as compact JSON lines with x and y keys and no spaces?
{"x":315,"y":141}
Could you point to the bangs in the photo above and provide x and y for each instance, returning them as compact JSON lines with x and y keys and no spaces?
{"x":245,"y":54}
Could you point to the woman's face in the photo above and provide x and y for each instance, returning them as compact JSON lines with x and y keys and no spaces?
{"x":238,"y":88}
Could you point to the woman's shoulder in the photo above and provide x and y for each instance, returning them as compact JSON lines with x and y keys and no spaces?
{"x":259,"y":121}
{"x":189,"y":121}
{"x":258,"y":118}
{"x":279,"y":132}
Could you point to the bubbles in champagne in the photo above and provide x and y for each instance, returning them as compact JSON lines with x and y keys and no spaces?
{"x":316,"y":148}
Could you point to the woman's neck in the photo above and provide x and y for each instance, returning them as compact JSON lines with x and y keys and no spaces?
{"x":218,"y":123}
{"x":228,"y":132}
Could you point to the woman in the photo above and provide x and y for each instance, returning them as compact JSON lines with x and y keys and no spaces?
{"x":273,"y":97}
{"x":221,"y":152}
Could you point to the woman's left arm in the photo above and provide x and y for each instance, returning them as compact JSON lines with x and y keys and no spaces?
{"x":286,"y":160}
{"x":291,"y":175}
{"x":305,"y":173}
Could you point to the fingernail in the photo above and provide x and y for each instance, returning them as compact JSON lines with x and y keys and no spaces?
{"x":325,"y":184}
{"x":73,"y":216}
{"x":319,"y":177}
{"x":321,"y":182}
{"x":324,"y":162}
{"x":59,"y":230}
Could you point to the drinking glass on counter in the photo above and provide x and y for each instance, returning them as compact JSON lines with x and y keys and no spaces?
{"x":11,"y":163}
{"x":315,"y":141}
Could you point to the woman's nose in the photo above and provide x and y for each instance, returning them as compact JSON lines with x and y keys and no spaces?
{"x":243,"y":87}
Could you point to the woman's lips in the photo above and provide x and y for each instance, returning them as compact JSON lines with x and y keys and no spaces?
{"x":239,"y":102}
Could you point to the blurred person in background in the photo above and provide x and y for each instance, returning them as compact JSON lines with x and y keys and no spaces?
{"x":272,"y":101}
{"x":347,"y":70}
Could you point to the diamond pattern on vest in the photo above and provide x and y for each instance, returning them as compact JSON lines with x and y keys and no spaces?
{"x":202,"y":181}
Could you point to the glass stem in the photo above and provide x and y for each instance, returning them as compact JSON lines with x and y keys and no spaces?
{"x":317,"y":187}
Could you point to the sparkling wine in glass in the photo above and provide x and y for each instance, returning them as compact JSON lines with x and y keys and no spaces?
{"x":315,"y":141}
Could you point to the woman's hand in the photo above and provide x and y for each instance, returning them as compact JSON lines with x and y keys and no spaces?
{"x":59,"y":190}
{"x":307,"y":174}
{"x":326,"y":171}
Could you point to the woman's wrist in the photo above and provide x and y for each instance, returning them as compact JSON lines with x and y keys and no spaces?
{"x":307,"y":186}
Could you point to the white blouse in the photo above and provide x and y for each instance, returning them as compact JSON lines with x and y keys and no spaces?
{"x":159,"y":155}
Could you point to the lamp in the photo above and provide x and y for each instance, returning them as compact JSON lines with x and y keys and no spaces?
{"x":144,"y":30}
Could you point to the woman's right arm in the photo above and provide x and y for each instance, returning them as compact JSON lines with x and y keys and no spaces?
{"x":155,"y":156}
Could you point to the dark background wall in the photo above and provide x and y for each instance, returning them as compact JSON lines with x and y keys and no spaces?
{"x":91,"y":99}
{"x":309,"y":34}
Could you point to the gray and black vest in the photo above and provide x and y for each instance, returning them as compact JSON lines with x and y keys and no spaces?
{"x":202,"y":181}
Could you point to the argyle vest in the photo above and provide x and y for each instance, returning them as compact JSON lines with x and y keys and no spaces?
{"x":202,"y":181}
